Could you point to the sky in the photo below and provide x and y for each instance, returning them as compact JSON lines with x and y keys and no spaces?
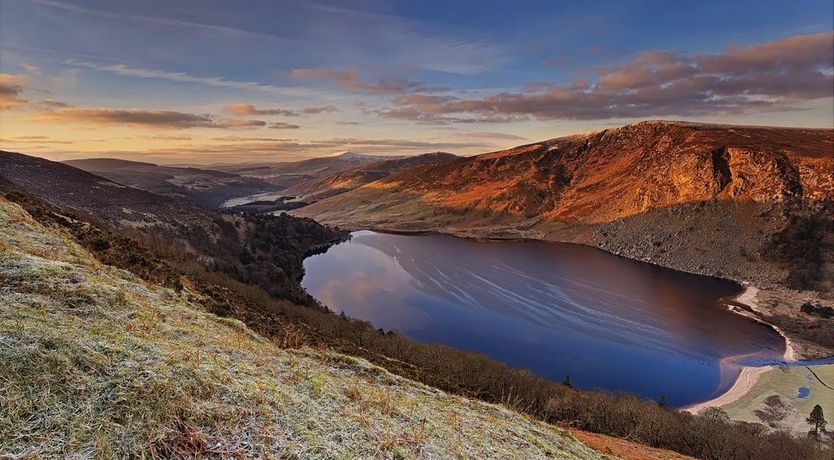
{"x":206,"y":81}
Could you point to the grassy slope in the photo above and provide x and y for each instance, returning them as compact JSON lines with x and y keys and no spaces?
{"x":789,"y":411}
{"x":100,"y":364}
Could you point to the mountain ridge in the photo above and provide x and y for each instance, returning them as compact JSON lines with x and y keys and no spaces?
{"x":322,"y":187}
{"x":752,"y":204}
{"x":287,"y":174}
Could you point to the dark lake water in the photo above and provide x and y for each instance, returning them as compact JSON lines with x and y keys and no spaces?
{"x":555,"y":309}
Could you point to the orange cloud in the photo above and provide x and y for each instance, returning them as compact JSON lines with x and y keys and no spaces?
{"x":349,"y":79}
{"x":250,"y":109}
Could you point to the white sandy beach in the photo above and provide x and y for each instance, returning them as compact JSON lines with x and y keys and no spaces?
{"x":749,"y":376}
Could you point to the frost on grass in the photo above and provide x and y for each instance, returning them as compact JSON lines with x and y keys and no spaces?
{"x":98,"y":364}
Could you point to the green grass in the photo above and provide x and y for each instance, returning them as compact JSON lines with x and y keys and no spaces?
{"x":784,"y":382}
{"x":98,"y":364}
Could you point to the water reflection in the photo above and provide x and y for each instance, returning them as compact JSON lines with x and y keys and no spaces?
{"x":556,"y":309}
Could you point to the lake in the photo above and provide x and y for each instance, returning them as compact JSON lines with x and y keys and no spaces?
{"x":556,"y":309}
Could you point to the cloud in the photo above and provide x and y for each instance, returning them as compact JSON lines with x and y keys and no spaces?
{"x":490,"y":135}
{"x":47,"y":104}
{"x":250,"y":109}
{"x":37,"y":140}
{"x":349,"y":79}
{"x":12,"y":87}
{"x":183,"y":77}
{"x":166,"y":119}
{"x":250,"y":139}
{"x":11,"y":91}
{"x":133,"y":117}
{"x":28,"y":138}
{"x":174,"y":137}
{"x":282,"y":125}
{"x":169,"y":22}
{"x":240,"y":123}
{"x":433,"y":115}
{"x":21,"y":140}
{"x":317,"y":110}
{"x":777,"y":75}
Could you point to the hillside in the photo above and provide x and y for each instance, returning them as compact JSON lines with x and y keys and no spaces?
{"x":598,"y":188}
{"x":236,"y":291}
{"x":324,"y":187}
{"x":266,"y":251}
{"x":291,"y":173}
{"x":96,"y":196}
{"x":202,"y":186}
{"x":754,"y":204}
{"x":99,"y":363}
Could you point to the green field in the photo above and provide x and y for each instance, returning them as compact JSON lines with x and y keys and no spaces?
{"x":789,"y":410}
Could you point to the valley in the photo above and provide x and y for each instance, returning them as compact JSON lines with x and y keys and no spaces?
{"x":491,"y":300}
{"x":396,"y":230}
{"x":749,"y":204}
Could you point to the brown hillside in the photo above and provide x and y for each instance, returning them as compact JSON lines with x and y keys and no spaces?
{"x":291,"y":173}
{"x":616,"y":173}
{"x":324,"y":187}
{"x":202,"y":186}
{"x":266,"y":251}
{"x":753,"y":204}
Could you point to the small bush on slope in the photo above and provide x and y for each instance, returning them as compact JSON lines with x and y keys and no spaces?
{"x":98,"y":364}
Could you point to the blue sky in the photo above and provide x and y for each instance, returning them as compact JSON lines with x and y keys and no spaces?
{"x":206,"y":81}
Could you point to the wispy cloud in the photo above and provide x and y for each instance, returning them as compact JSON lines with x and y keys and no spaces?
{"x":349,"y":79}
{"x":491,"y":135}
{"x":183,"y":77}
{"x":12,"y":87}
{"x":165,"y":119}
{"x":250,"y":109}
{"x":282,"y":125}
{"x":11,"y":91}
{"x":250,"y":139}
{"x":38,"y":140}
{"x":165,"y":21}
{"x":169,"y":137}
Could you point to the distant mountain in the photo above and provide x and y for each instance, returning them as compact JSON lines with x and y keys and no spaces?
{"x":295,"y":172}
{"x":708,"y":199}
{"x":323,"y":187}
{"x":203,"y":186}
{"x":353,"y":156}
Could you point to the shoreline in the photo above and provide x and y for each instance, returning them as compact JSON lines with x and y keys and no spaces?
{"x":749,"y":375}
